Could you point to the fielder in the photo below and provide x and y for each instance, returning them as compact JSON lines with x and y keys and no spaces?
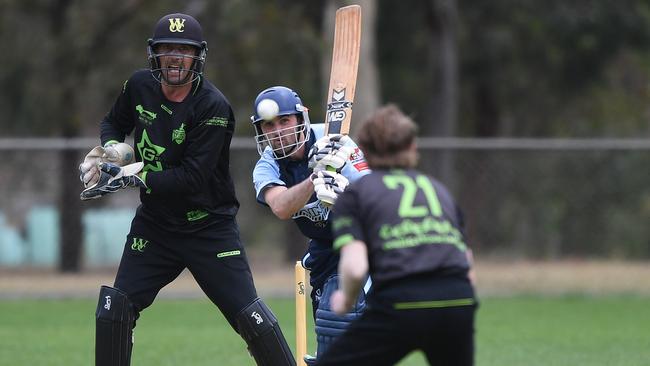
{"x":182,"y":127}
{"x":292,"y":178}
{"x":404,"y":228}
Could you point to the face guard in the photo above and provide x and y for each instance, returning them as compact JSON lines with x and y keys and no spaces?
{"x":176,"y":74}
{"x":177,"y":29}
{"x":275,"y":102}
{"x":286,"y":141}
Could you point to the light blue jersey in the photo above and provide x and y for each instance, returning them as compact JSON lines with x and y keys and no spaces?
{"x":313,"y":219}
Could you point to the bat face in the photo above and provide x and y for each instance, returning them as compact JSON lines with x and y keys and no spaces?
{"x":343,"y":76}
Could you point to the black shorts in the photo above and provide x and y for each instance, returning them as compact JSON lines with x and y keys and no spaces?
{"x":153,"y":258}
{"x":384,"y":334}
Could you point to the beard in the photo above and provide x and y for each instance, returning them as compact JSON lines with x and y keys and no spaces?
{"x":176,"y":76}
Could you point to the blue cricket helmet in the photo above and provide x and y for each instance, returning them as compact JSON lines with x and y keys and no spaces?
{"x":274,"y":102}
{"x":288,"y":102}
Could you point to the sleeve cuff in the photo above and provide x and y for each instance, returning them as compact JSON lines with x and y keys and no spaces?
{"x":111,"y":142}
{"x":343,"y":240}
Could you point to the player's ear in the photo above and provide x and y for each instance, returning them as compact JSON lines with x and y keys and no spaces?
{"x":413,"y":146}
{"x":413,"y":154}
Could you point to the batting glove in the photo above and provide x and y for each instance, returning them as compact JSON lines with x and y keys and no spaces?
{"x":112,"y":178}
{"x":119,"y":154}
{"x":330,"y":151}
{"x":328,"y":185}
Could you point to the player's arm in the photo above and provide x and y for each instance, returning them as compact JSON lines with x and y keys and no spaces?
{"x":356,"y":166}
{"x":284,"y":202}
{"x":350,"y":240}
{"x":118,"y":122}
{"x":353,"y":271}
{"x":114,"y":127}
{"x":469,"y":255}
{"x":472,"y":273}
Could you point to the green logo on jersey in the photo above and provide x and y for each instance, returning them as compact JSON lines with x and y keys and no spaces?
{"x":228,"y":254}
{"x":145,"y":116}
{"x":216,"y":121}
{"x":196,"y":215}
{"x":178,"y":135}
{"x":150,"y":153}
{"x":166,"y":109}
{"x":139,"y":244}
{"x":431,"y":229}
{"x":410,"y":233}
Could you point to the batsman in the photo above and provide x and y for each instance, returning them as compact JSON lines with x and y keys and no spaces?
{"x":300,"y":173}
{"x":182,"y":127}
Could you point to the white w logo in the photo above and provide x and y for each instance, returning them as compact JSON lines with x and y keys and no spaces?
{"x":176,"y":24}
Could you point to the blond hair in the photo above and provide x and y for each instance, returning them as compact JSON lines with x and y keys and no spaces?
{"x":387,"y":139}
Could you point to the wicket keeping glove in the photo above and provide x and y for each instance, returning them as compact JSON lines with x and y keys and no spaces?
{"x":330,"y":151}
{"x":328,"y":185}
{"x":119,"y":154}
{"x":112,"y":178}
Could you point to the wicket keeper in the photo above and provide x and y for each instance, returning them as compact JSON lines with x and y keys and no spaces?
{"x":182,"y":126}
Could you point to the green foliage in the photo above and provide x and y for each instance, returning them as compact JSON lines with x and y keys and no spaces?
{"x":556,"y":204}
{"x":537,"y":58}
{"x":526,"y":68}
{"x":71,"y":58}
{"x":257,"y":44}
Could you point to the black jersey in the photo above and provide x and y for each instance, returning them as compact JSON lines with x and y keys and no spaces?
{"x":185,"y":149}
{"x":408,"y":220}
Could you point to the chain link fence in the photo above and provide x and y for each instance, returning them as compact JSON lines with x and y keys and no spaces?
{"x":522,"y":198}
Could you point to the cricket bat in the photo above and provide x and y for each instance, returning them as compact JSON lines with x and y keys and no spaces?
{"x":343,"y":76}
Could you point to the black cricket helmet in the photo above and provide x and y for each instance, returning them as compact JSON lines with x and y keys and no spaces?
{"x":180,"y":29}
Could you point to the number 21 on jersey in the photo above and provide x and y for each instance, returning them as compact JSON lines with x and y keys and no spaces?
{"x":407,"y":205}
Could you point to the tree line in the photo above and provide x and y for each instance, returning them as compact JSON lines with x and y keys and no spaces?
{"x":475,"y":69}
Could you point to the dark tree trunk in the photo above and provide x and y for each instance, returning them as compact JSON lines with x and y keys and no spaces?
{"x":443,"y":59}
{"x":67,"y":116}
{"x":70,"y":213}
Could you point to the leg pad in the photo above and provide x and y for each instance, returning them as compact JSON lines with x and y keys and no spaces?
{"x":261,"y":331}
{"x":114,"y":328}
{"x":330,"y":325}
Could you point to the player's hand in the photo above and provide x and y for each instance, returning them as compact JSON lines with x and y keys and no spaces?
{"x":328,"y":185}
{"x":338,"y":302}
{"x":119,"y":154}
{"x":112,"y":178}
{"x":330,"y":151}
{"x":89,"y":169}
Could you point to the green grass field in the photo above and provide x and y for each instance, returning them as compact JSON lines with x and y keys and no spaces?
{"x":571,"y":330}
